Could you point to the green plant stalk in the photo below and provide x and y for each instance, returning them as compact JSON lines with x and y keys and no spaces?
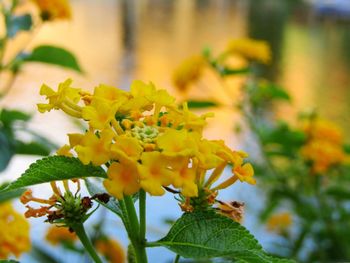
{"x":142,"y":207}
{"x":177,"y":259}
{"x":80,"y":231}
{"x":134,"y":229}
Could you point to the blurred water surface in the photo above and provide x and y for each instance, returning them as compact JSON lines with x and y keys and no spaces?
{"x":118,"y":41}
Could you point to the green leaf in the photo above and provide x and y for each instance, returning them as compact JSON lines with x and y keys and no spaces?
{"x":96,"y":187}
{"x":55,"y":56}
{"x":14,"y":24}
{"x":6,"y":151}
{"x":201,"y":104}
{"x":8,"y":117}
{"x":8,"y":261}
{"x":33,"y":148}
{"x":55,"y":168}
{"x":224,"y":71}
{"x":207,"y":234}
{"x":6,"y":196}
{"x":41,"y":255}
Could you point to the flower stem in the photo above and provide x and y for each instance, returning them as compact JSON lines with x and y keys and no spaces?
{"x":137,"y":241}
{"x":177,"y":259}
{"x":80,"y":231}
{"x":142,"y":207}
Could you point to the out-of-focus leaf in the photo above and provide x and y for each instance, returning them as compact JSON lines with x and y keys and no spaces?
{"x":7,"y":117}
{"x":55,"y":168}
{"x":281,"y":139}
{"x":14,"y":24}
{"x":338,"y":192}
{"x":32,"y":148}
{"x":6,"y":196}
{"x":224,"y":71}
{"x":6,"y":150}
{"x":201,"y":104}
{"x":39,"y":254}
{"x":347,"y":148}
{"x":54,"y":56}
{"x":8,"y":261}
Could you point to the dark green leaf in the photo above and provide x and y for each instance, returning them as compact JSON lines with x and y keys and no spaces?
{"x":6,"y":150}
{"x":41,"y":255}
{"x":201,"y":104}
{"x":33,"y":148}
{"x":7,"y":117}
{"x":55,"y":168}
{"x":224,"y":71}
{"x":14,"y":24}
{"x":8,"y":261}
{"x":338,"y":192}
{"x":55,"y":56}
{"x":208,"y":234}
{"x":6,"y":196}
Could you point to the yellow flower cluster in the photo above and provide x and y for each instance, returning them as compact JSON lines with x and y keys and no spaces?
{"x":111,"y":250}
{"x":250,"y":49}
{"x":14,"y":238}
{"x":54,"y":9}
{"x":57,"y":235}
{"x":279,"y":223}
{"x":324,"y":147}
{"x":188,"y":72}
{"x":145,"y":139}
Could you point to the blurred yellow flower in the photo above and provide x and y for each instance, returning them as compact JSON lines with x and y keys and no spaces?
{"x":57,"y":235}
{"x":111,"y":250}
{"x":324,"y":145}
{"x":188,"y":72}
{"x":279,"y":223}
{"x":54,"y":9}
{"x":14,"y":238}
{"x":250,"y":49}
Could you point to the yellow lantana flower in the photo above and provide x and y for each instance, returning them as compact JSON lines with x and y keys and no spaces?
{"x":54,"y":9}
{"x":245,"y":173}
{"x":126,"y":147}
{"x":184,"y":176}
{"x":123,"y":178}
{"x":146,"y":141}
{"x":177,"y":143}
{"x":65,"y":99}
{"x":14,"y":239}
{"x":95,"y":149}
{"x":154,"y":173}
{"x":99,"y":113}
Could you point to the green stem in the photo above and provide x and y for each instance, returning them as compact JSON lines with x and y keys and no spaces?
{"x":134,"y":231}
{"x":177,"y":259}
{"x":132,"y":216}
{"x":142,"y":207}
{"x":80,"y":231}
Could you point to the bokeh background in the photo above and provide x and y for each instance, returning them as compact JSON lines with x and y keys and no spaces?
{"x":117,"y":41}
